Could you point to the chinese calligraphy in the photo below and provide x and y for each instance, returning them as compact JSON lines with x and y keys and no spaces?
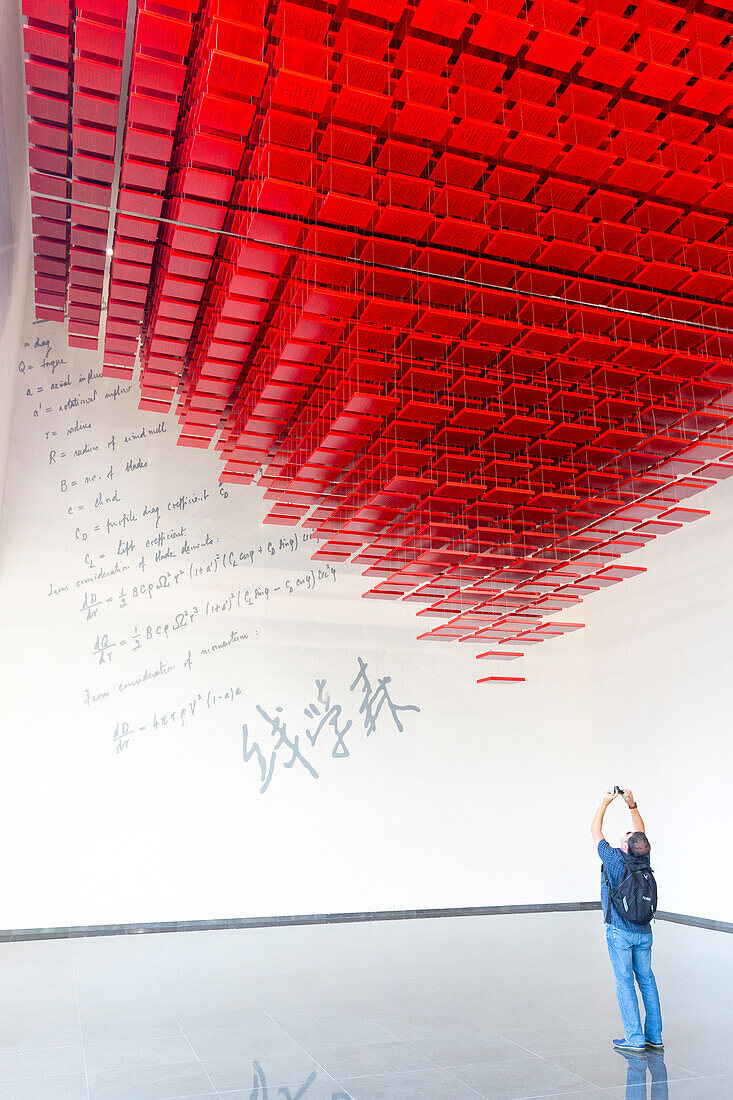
{"x":323,"y":715}
{"x":374,"y":699}
{"x":330,"y":715}
{"x":279,"y":730}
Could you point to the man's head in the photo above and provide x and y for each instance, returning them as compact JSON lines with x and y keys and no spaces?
{"x":636,"y":844}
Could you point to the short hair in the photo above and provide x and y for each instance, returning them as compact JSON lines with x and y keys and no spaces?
{"x":639,"y":844}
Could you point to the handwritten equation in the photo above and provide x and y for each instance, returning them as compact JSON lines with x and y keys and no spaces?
{"x":163,"y":580}
{"x":324,"y":717}
{"x":105,"y":643}
{"x":178,"y":716}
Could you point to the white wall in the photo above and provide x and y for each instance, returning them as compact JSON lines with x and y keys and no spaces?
{"x":481,"y":800}
{"x":486,"y":796}
{"x":14,"y":214}
{"x":660,"y":653}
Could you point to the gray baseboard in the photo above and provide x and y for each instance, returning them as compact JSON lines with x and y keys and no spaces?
{"x":697,"y":922}
{"x":15,"y":935}
{"x":78,"y":931}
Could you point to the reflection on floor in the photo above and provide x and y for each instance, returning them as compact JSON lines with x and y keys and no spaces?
{"x":450,"y":1009}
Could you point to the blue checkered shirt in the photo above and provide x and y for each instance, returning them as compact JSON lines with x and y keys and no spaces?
{"x":615,"y":864}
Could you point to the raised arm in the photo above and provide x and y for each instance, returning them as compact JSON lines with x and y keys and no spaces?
{"x":636,"y":819}
{"x":596,"y":828}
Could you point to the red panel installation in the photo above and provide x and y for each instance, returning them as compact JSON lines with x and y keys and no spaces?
{"x":454,"y":276}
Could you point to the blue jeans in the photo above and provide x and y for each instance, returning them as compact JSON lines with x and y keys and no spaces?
{"x":636,"y":1077}
{"x":631,"y":956}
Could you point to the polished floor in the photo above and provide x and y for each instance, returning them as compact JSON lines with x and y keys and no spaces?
{"x":452,"y":1009}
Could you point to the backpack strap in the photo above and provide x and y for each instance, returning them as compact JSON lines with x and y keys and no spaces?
{"x":608,"y":884}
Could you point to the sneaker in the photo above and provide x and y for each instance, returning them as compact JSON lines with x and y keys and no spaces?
{"x":655,"y":1046}
{"x":627,"y":1048}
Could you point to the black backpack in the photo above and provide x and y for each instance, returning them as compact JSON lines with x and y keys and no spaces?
{"x":635,"y":897}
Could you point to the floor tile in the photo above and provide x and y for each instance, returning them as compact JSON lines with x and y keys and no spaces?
{"x":290,"y":1068}
{"x":311,"y":1088}
{"x":125,"y":1007}
{"x":223,"y":1015}
{"x":330,"y":1030}
{"x":408,"y":1025}
{"x":42,"y":1001}
{"x":32,"y":1036}
{"x":704,"y":1056}
{"x":216,"y":1043}
{"x":168,"y":1050}
{"x":519,"y":1077}
{"x":607,"y":1068}
{"x":551,"y":1039}
{"x":452,"y":1048}
{"x":19,"y":1065}
{"x":692,"y":1088}
{"x":104,"y":1028}
{"x":366,"y":1059}
{"x":67,"y":1087}
{"x":166,"y":1082}
{"x":419,"y":1085}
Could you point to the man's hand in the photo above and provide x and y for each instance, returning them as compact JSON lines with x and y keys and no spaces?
{"x":608,"y":797}
{"x":636,"y":819}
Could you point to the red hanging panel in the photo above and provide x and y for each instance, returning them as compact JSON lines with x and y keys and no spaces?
{"x":454,"y":277}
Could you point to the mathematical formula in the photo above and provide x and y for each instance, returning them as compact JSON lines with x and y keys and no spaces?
{"x":156,"y":586}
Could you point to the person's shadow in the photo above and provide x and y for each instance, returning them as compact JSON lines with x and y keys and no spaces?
{"x":638,"y":1067}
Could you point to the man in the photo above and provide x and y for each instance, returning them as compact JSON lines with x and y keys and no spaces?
{"x":629,"y":945}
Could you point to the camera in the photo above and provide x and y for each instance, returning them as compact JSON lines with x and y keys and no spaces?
{"x":618,"y":790}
